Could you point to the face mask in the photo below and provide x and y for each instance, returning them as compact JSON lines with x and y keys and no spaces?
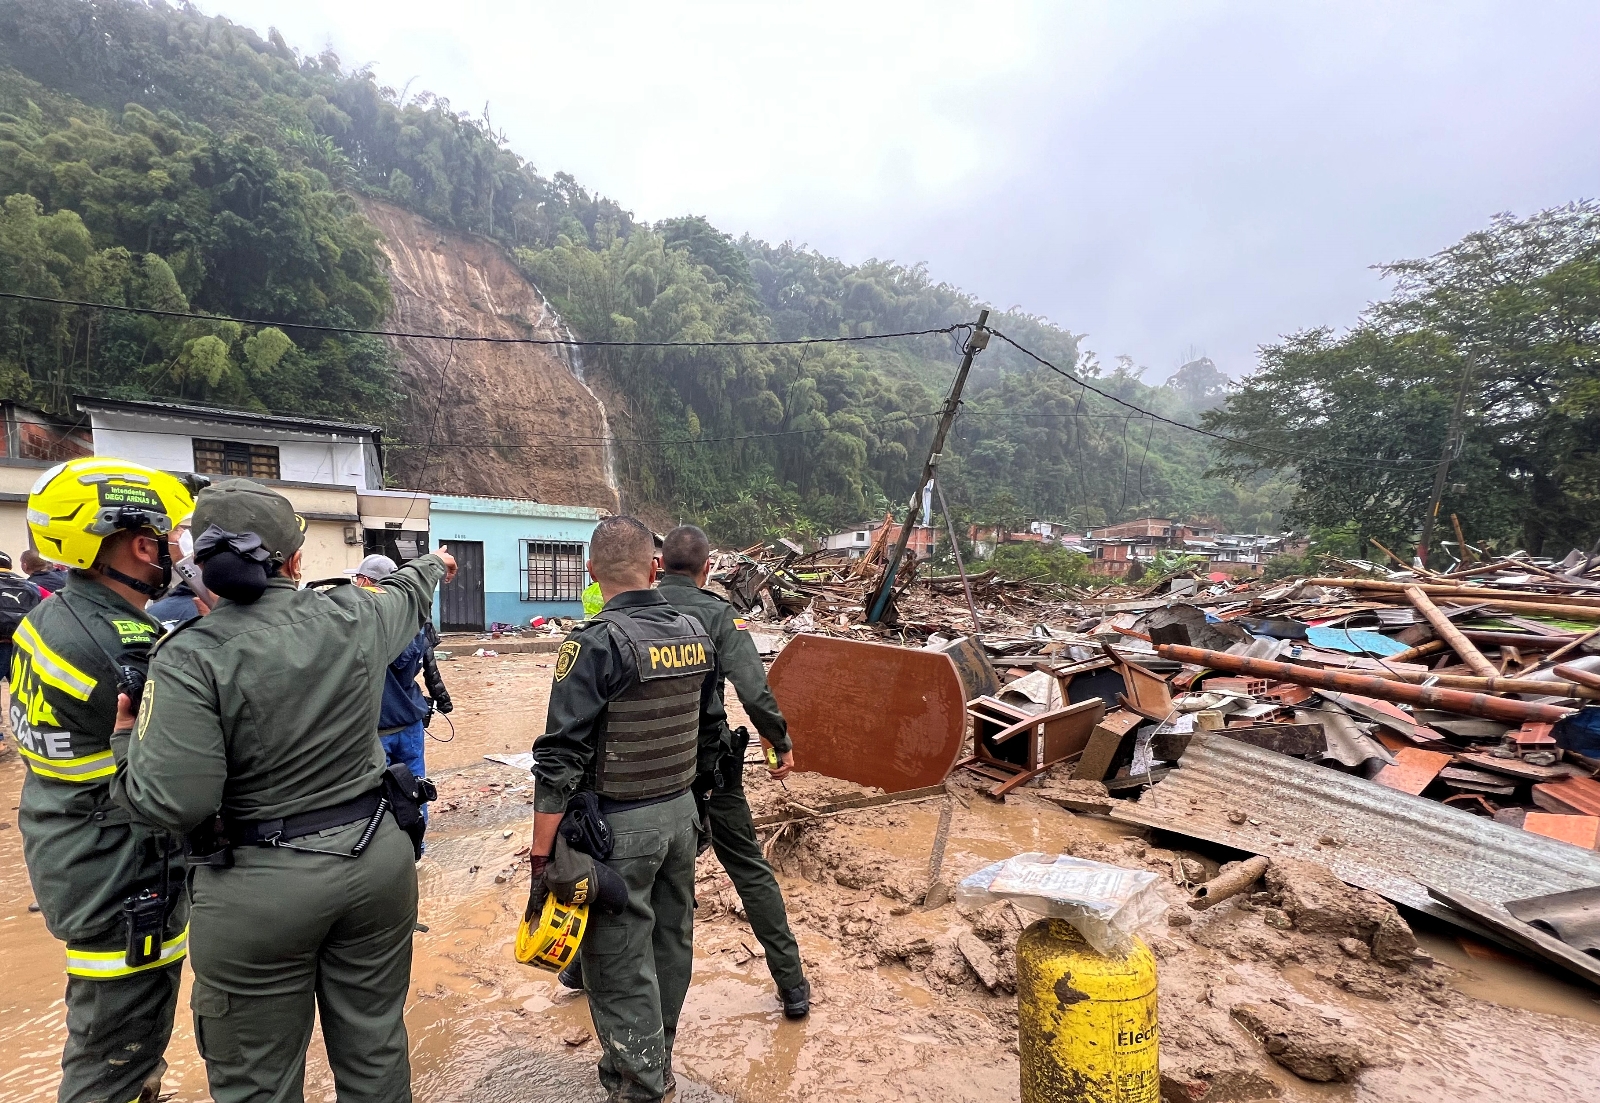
{"x":186,"y":543}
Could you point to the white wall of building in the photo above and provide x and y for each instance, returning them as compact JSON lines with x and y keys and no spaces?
{"x":167,"y":443}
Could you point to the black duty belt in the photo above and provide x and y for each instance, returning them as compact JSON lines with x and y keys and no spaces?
{"x":268,"y":832}
{"x":609,"y":805}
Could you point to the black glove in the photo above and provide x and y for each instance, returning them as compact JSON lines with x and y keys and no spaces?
{"x":576,"y":878}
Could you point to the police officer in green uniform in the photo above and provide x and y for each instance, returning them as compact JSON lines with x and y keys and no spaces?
{"x":111,"y":889}
{"x":632,"y":696}
{"x":686,"y":558}
{"x":259,"y":728}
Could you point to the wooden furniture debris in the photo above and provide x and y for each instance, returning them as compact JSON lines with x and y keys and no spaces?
{"x":1104,"y":742}
{"x":871,"y":713}
{"x":1011,"y":745}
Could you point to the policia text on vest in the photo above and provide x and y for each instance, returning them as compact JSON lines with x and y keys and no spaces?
{"x":629,"y":706}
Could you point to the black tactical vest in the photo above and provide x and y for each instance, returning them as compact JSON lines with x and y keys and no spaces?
{"x":652,"y":731}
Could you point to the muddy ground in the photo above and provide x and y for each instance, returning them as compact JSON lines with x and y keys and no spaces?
{"x":1309,"y":975}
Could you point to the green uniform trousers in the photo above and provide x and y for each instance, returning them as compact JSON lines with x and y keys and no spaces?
{"x":636,"y":965}
{"x":285,"y":934}
{"x":117,"y":1034}
{"x":733,"y":837}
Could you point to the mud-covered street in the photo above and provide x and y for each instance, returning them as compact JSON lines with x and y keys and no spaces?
{"x":1326,"y":975}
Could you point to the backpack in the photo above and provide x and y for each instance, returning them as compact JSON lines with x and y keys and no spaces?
{"x":17,"y":596}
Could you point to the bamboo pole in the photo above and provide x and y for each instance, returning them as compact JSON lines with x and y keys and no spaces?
{"x":1451,"y":634}
{"x":1570,"y":608}
{"x":1560,"y":652}
{"x":1583,"y":677}
{"x":1448,"y":700}
{"x":1411,"y":654}
{"x":1497,"y":684}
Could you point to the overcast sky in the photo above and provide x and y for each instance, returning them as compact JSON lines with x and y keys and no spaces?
{"x":1165,"y":178}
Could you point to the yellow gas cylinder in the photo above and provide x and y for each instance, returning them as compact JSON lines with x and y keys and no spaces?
{"x":1087,"y":1021}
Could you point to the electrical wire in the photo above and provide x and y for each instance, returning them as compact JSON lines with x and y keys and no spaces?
{"x":570,"y":342}
{"x":1237,"y":443}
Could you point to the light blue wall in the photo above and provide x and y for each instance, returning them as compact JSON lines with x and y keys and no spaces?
{"x":502,"y":524}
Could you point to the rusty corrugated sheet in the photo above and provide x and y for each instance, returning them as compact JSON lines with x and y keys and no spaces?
{"x":1390,"y":842}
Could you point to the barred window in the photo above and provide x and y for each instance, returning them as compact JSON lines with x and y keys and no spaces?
{"x":227,"y":457}
{"x":553,"y":571}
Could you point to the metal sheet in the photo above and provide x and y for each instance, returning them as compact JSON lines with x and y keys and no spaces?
{"x":1390,"y":842}
{"x":1573,"y":917}
{"x":871,"y":713}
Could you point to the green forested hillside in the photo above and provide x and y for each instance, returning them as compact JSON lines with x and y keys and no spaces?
{"x":154,"y":156}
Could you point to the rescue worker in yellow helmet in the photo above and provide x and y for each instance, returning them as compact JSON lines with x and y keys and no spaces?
{"x":110,"y":889}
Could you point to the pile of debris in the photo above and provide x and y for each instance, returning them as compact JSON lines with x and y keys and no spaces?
{"x":1456,"y":713}
{"x":1346,"y":715}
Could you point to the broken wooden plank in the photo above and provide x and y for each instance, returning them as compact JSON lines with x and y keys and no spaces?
{"x":1513,"y":767}
{"x":1581,"y":831}
{"x":1461,"y":778}
{"x":1413,"y":770}
{"x":1300,"y":740}
{"x":1576,"y":796}
{"x":1139,"y":781}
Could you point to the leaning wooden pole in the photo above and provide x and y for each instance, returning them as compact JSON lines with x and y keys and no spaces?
{"x":1449,"y":700}
{"x":1450,"y":634}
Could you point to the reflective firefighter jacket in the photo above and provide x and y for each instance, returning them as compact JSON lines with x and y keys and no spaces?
{"x":629,"y":705}
{"x":85,"y":854}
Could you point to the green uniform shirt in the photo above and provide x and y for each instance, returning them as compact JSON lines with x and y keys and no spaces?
{"x":737,"y":658}
{"x":592,"y":669}
{"x":271,"y":709}
{"x":84,"y":854}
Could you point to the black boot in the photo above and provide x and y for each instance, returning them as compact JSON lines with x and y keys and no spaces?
{"x":572,"y":976}
{"x":796,"y":1001}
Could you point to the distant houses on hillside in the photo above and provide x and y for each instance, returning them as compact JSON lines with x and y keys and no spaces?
{"x":1112,"y":550}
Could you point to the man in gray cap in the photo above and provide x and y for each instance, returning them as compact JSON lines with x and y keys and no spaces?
{"x":403,"y":718}
{"x":257,"y":737}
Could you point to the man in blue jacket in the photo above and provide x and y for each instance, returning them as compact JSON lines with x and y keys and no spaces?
{"x":400,"y":726}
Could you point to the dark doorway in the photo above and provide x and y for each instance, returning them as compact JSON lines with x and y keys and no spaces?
{"x":461,"y":601}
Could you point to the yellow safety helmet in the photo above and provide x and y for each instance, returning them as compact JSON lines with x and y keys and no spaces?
{"x":553,"y":942}
{"x":75,"y":505}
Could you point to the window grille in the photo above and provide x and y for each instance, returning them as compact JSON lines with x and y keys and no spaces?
{"x":227,"y":457}
{"x":552,"y":571}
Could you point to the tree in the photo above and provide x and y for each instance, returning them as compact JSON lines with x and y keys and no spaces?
{"x":1515,"y":311}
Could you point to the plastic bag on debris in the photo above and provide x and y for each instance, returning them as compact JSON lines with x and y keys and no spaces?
{"x":1107,"y":904}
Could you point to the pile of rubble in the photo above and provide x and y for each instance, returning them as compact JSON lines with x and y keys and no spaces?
{"x":1327,"y":718}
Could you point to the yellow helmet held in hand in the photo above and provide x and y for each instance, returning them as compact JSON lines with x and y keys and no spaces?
{"x":553,"y":942}
{"x":74,"y":506}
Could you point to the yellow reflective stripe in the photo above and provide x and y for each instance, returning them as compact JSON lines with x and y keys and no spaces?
{"x":110,"y":964}
{"x":52,"y":668}
{"x":88,"y":768}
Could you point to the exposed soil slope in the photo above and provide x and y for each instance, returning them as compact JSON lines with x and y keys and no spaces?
{"x":509,"y":420}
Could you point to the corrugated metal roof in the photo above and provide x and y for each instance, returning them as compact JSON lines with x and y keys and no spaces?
{"x":1390,"y":842}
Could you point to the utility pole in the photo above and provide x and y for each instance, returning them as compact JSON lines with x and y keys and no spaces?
{"x":975,"y":344}
{"x":1443,"y":470}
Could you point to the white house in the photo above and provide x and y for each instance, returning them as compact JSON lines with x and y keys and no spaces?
{"x":854,"y":541}
{"x":331,"y":470}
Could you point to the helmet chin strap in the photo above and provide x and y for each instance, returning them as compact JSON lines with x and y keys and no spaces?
{"x":151,"y":590}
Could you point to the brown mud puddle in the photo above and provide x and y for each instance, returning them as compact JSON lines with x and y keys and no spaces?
{"x":916,"y":1027}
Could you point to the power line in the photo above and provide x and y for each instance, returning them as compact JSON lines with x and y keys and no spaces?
{"x":1237,"y":443}
{"x":563,"y":341}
